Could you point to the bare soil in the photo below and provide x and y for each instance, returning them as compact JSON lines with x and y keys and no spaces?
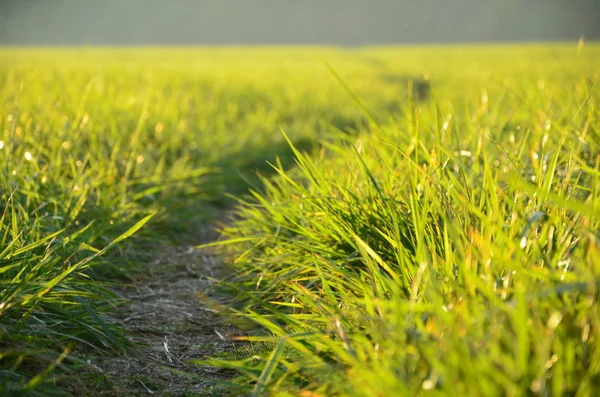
{"x":172,"y":324}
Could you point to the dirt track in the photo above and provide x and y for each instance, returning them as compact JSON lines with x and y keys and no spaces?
{"x":166,"y":316}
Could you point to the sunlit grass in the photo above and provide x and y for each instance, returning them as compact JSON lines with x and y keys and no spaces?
{"x":452,"y":251}
{"x":440,"y":236}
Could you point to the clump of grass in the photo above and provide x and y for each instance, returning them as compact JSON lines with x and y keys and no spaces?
{"x":48,"y":301}
{"x":452,"y":252}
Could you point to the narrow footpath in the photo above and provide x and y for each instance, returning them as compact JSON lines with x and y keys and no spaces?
{"x":166,"y":316}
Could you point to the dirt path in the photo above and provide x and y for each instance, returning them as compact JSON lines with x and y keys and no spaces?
{"x":165,"y":315}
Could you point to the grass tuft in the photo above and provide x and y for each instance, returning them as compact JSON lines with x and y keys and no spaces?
{"x":449,"y":256}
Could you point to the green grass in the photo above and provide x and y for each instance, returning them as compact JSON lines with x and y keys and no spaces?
{"x":439,"y":236}
{"x":450,"y":251}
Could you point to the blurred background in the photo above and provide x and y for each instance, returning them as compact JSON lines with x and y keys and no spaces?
{"x":335,"y":22}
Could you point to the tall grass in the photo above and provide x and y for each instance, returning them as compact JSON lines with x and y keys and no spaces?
{"x":453,"y":251}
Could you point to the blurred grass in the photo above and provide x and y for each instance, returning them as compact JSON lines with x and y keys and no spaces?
{"x":450,"y":193}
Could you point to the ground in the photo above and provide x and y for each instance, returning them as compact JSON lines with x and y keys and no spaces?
{"x":171,"y":323}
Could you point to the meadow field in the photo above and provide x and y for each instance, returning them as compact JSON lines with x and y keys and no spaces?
{"x":401,"y":221}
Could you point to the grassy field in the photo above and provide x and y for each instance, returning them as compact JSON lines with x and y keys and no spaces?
{"x":429,"y":223}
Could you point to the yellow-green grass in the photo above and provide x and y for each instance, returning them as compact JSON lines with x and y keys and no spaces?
{"x":446,"y":241}
{"x":450,"y":251}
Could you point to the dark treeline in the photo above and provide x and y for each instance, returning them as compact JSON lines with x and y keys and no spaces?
{"x":338,"y":22}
